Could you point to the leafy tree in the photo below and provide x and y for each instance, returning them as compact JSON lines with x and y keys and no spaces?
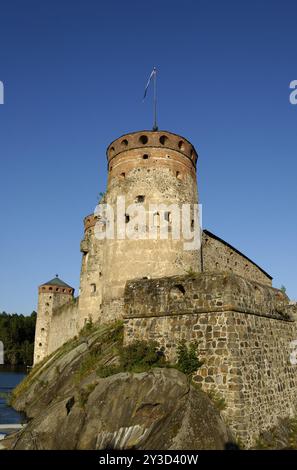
{"x":17,"y":334}
{"x":187,"y":360}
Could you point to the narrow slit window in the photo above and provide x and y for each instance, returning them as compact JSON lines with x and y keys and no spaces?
{"x":93,"y":288}
{"x":167,"y":216}
{"x":156,"y":219}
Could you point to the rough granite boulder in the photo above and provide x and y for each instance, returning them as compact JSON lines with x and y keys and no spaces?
{"x":71,"y":406}
{"x":151,"y":410}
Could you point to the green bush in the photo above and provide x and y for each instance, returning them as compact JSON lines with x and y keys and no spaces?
{"x":191,"y":273}
{"x":104,"y":371}
{"x":187,"y":360}
{"x":140,"y":356}
{"x":87,"y":328}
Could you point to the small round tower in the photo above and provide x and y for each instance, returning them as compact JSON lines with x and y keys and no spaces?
{"x":51,"y":295}
{"x":148,"y":168}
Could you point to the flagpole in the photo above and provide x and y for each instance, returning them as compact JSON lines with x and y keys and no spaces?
{"x":153,"y":76}
{"x":155,"y":127}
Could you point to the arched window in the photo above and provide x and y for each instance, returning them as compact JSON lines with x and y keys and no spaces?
{"x":181,"y":145}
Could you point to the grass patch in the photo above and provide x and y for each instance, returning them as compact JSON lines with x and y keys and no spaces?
{"x":48,"y":361}
{"x":102,"y":353}
{"x":190,"y":273}
{"x":23,"y":386}
{"x":140,"y":356}
{"x":88,"y":328}
{"x":84,"y":394}
{"x":111,"y":357}
{"x":105,"y":371}
{"x":217,"y":399}
{"x":136,"y":357}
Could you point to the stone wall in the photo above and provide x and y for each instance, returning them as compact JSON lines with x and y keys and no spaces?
{"x":91,"y":275}
{"x":218,"y":255}
{"x":243,"y":338}
{"x":64,"y":325}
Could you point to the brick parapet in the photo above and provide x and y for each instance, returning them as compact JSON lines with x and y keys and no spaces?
{"x":47,"y":289}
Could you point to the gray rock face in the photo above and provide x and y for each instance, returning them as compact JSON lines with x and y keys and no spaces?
{"x":152,"y":410}
{"x":71,"y":407}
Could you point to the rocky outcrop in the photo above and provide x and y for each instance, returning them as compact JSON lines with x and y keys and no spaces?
{"x":73,"y":408}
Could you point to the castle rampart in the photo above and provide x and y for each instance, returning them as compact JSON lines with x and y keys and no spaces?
{"x":244,"y":333}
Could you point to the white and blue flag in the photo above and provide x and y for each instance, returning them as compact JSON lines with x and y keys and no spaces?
{"x":153,"y":74}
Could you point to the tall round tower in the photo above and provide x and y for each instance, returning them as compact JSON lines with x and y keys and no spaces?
{"x":51,"y":295}
{"x":148,"y":169}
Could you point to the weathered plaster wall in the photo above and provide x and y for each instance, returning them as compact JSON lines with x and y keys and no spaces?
{"x":219,"y":256}
{"x":64,"y":324}
{"x":244,"y":340}
{"x":91,"y":275}
{"x":44,"y":309}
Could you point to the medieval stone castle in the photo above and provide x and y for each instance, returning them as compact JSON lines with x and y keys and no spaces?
{"x":214,"y":295}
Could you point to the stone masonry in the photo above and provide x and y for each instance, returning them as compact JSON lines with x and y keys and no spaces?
{"x":243,"y":331}
{"x":218,"y":255}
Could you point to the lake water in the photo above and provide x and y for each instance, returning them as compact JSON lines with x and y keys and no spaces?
{"x":9,"y":379}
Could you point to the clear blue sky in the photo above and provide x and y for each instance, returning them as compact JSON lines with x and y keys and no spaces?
{"x":74,"y":74}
